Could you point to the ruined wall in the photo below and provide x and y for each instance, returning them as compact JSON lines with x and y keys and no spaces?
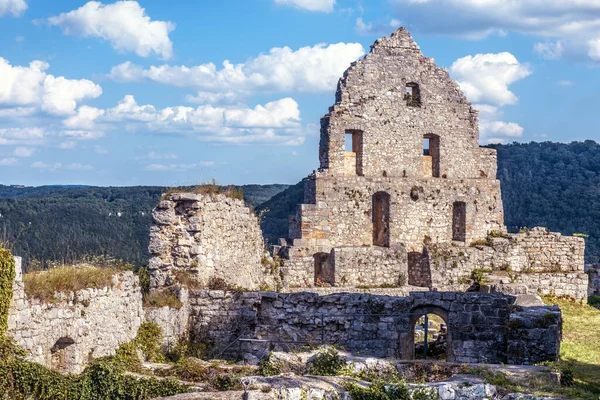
{"x":367,"y":267}
{"x":78,"y":327}
{"x":206,"y":236}
{"x":545,"y":262}
{"x":527,"y":326}
{"x":174,"y":322}
{"x":478,"y":323}
{"x":593,"y":272}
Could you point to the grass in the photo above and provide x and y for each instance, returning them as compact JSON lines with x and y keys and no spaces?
{"x":162,"y":298}
{"x":210,"y":189}
{"x":44,"y":285}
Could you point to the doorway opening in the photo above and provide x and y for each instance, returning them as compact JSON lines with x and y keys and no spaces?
{"x":381,"y":219}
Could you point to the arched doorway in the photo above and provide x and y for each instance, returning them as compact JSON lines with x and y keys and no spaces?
{"x":429,"y":321}
{"x":381,"y":219}
{"x":62,"y":355}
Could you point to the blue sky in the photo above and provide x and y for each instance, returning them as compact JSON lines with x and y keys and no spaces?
{"x":182,"y":92}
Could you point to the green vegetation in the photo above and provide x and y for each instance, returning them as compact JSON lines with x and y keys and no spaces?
{"x":162,"y":298}
{"x":327,"y":362}
{"x":594,"y":300}
{"x":44,"y":285}
{"x":210,"y":189}
{"x":7,"y":276}
{"x":103,"y":379}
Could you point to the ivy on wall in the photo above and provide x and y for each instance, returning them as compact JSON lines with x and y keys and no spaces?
{"x":7,"y":277}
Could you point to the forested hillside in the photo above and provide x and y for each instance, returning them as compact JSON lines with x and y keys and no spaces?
{"x":543,"y":184}
{"x":65,"y":223}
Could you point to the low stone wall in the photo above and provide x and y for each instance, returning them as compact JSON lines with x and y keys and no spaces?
{"x":546,"y":262}
{"x":478,"y":323}
{"x":369,"y":266}
{"x":77,"y":327}
{"x":534,"y":334}
{"x":174,"y":322}
{"x":207,"y":236}
{"x":593,"y":272}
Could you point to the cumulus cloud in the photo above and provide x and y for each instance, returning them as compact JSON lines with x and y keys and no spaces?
{"x":68,"y":145}
{"x":308,"y":69}
{"x":9,"y":161}
{"x":32,"y":86}
{"x":574,"y":24}
{"x":310,"y":5}
{"x":485,"y":80}
{"x":282,"y":117}
{"x":124,"y":23}
{"x":17,"y":136}
{"x":485,"y":77}
{"x":23,"y":152}
{"x":13,"y":7}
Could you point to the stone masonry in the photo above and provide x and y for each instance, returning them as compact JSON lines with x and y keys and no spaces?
{"x":207,"y":236}
{"x":482,"y":327}
{"x":68,"y":333}
{"x":401,"y":170}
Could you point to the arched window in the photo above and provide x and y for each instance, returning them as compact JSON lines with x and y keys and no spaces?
{"x":431,"y":155}
{"x":62,"y":354}
{"x":381,"y":219}
{"x":413,"y":95}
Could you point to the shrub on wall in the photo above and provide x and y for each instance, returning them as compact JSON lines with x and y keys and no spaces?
{"x":7,"y":276}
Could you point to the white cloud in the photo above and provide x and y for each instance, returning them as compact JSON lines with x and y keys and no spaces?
{"x":212,"y":98}
{"x":58,"y":166}
{"x":376,"y":28}
{"x":310,"y":5}
{"x":486,"y":77}
{"x":14,"y":7}
{"x":485,"y":80}
{"x":574,"y":24}
{"x":178,"y":167}
{"x":16,"y":112}
{"x":100,"y":150}
{"x":308,"y":69}
{"x":16,"y":136}
{"x":68,"y":145}
{"x":31,"y":86}
{"x":82,"y":134}
{"x":158,"y":156}
{"x":23,"y":152}
{"x":7,"y":162}
{"x":565,"y":83}
{"x":274,"y":122}
{"x":549,"y":50}
{"x":123,"y":23}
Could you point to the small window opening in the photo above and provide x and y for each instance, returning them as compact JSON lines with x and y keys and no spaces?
{"x":412,"y":95}
{"x":353,"y":146}
{"x":431,"y":155}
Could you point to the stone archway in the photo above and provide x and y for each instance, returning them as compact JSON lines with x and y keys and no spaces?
{"x":63,"y":355}
{"x":408,"y":340}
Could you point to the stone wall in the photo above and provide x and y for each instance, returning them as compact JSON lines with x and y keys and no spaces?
{"x":593,"y":272}
{"x":76,"y":328}
{"x":174,"y":322}
{"x":367,"y":267}
{"x":545,"y":262}
{"x":206,"y":236}
{"x":478,"y":323}
{"x":534,"y":334}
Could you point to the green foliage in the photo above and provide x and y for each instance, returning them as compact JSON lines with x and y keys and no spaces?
{"x":380,"y":390}
{"x":104,"y":379}
{"x":478,"y":276}
{"x":594,"y":300}
{"x":144,"y":277}
{"x":211,"y":188}
{"x":148,"y":339}
{"x":327,"y":362}
{"x":268,"y":367}
{"x":7,"y":276}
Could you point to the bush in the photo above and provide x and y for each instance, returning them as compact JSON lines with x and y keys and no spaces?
{"x":66,"y":279}
{"x":268,"y":367}
{"x":7,"y":277}
{"x":327,"y":362}
{"x":594,"y":300}
{"x":380,"y":390}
